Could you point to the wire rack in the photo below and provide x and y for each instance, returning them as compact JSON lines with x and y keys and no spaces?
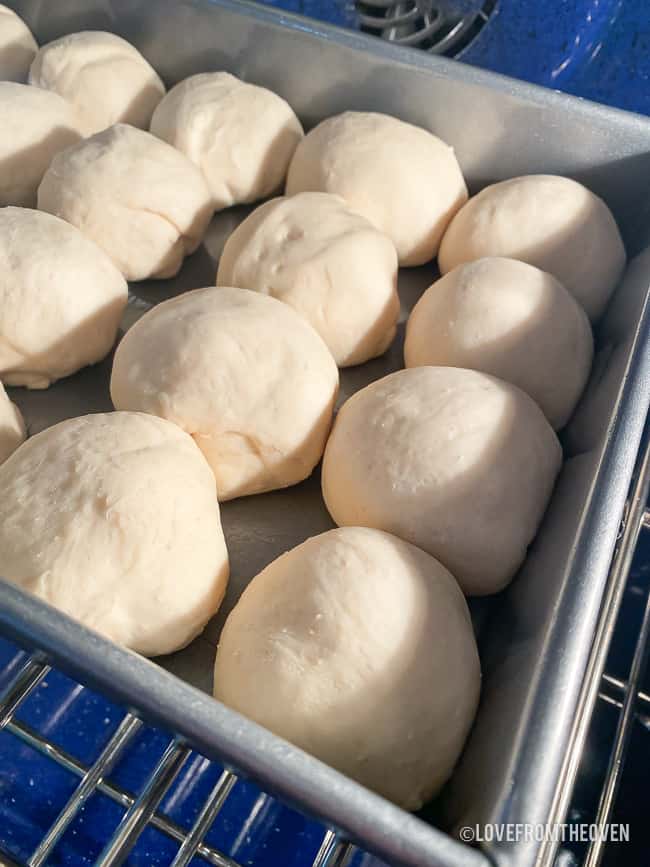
{"x":142,"y":810}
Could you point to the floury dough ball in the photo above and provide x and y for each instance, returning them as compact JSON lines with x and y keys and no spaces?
{"x":240,"y":135}
{"x":12,"y":426}
{"x":113,"y":518}
{"x":328,"y":263}
{"x":36,"y":125}
{"x":135,"y":196}
{"x":358,"y":648}
{"x":244,"y":374}
{"x":61,"y":299}
{"x":103,"y":75}
{"x":402,"y":178}
{"x":548,"y":221}
{"x":17,"y":46}
{"x":456,"y":462}
{"x":509,"y":319}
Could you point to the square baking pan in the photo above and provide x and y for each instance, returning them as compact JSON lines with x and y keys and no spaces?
{"x":542,"y":640}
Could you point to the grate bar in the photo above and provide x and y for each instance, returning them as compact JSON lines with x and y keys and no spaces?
{"x":205,"y":819}
{"x":621,"y":686}
{"x":89,"y":782}
{"x":623,"y":733}
{"x":27,"y":679}
{"x":333,"y":852}
{"x":167,"y":826}
{"x":142,"y":809}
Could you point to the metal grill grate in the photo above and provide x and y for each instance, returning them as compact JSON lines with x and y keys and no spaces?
{"x":140,"y":811}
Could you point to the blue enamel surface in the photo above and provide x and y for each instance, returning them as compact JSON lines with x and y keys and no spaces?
{"x":595,"y":48}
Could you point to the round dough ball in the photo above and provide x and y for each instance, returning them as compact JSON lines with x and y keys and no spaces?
{"x":548,"y":221}
{"x":243,"y":373}
{"x":457,"y":462}
{"x":402,"y":178}
{"x":37,"y":124}
{"x":509,"y":319}
{"x":17,"y":46}
{"x":61,"y":299}
{"x":330,"y":264}
{"x":240,"y":135}
{"x":113,"y":518}
{"x":12,"y":426}
{"x":135,"y":196}
{"x":358,"y":648}
{"x":103,"y":75}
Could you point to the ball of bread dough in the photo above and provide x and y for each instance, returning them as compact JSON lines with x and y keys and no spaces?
{"x":457,"y":462}
{"x":17,"y":46}
{"x":548,"y":221}
{"x":241,"y":136}
{"x":358,"y":648}
{"x":509,"y":319}
{"x":12,"y":426}
{"x":243,"y":373}
{"x":103,"y":75}
{"x":61,"y":299}
{"x":135,"y":196}
{"x":402,"y":178}
{"x":330,"y":264}
{"x":37,"y":125}
{"x":113,"y":518}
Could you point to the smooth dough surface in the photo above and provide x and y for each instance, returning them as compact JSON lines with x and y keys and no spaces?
{"x":61,"y":299}
{"x":510,"y":319}
{"x":401,"y":177}
{"x":328,"y":263}
{"x":40,"y":124}
{"x":113,"y":518}
{"x":548,"y":221}
{"x":456,"y":462}
{"x":244,"y":374}
{"x":358,"y":648}
{"x":103,"y":75}
{"x":17,"y":46}
{"x":135,"y":196}
{"x":12,"y":426}
{"x":241,"y":136}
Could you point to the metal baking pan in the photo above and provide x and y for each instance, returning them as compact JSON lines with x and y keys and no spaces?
{"x":536,"y":638}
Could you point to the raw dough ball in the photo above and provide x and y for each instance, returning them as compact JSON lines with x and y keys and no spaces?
{"x":137,"y":197}
{"x":113,"y":518}
{"x":37,"y":125}
{"x":61,"y":299}
{"x":548,"y":221}
{"x":330,"y":264}
{"x":17,"y":46}
{"x":509,"y":319}
{"x":358,"y":648}
{"x":402,"y":178}
{"x":243,"y":373}
{"x":12,"y":426}
{"x":457,"y":462}
{"x":241,"y":136}
{"x":103,"y":75}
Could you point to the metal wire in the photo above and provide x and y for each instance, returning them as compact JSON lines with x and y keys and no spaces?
{"x":141,"y":811}
{"x":205,"y":819}
{"x":127,"y":729}
{"x":622,"y":737}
